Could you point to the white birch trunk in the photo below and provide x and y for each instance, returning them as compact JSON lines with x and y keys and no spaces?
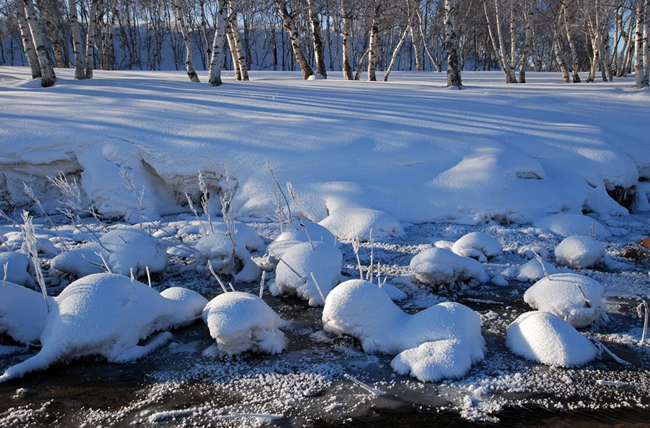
{"x":347,"y":32}
{"x":242,"y":62}
{"x":179,"y":14}
{"x":48,"y":78}
{"x":214,"y":70}
{"x":644,"y":47}
{"x":90,"y":39}
{"x":451,"y":44}
{"x":372,"y":44}
{"x":28,"y":43}
{"x":572,"y":47}
{"x":395,"y":53}
{"x":76,"y":41}
{"x":294,"y":37}
{"x":317,"y":39}
{"x":638,"y":43}
{"x":530,"y":14}
{"x":433,"y":59}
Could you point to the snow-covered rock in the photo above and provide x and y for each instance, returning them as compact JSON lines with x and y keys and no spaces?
{"x":529,"y":251}
{"x":244,"y":234}
{"x":217,"y":248}
{"x":123,"y":249}
{"x":350,"y":223}
{"x":361,"y":309}
{"x":22,"y":312}
{"x":17,"y":267}
{"x":564,"y":295}
{"x":434,"y":361}
{"x":580,"y":252}
{"x":545,"y":338}
{"x":293,"y":234}
{"x":324,"y":261}
{"x":108,"y":315}
{"x":530,"y":271}
{"x":478,"y":245}
{"x":565,"y":225}
{"x":242,"y":322}
{"x":440,"y":267}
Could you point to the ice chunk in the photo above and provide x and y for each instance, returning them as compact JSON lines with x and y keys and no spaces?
{"x":548,"y":339}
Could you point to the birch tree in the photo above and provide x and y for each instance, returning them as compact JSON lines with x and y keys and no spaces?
{"x":506,"y":63}
{"x":289,"y":24}
{"x":28,"y":43}
{"x":180,"y":21}
{"x":451,"y":44}
{"x":639,"y":55}
{"x":347,"y":30}
{"x":572,"y":47}
{"x":372,"y":43}
{"x":214,"y":70}
{"x":48,"y":78}
{"x":90,"y":38}
{"x":76,"y":41}
{"x":317,"y":39}
{"x":240,"y":60}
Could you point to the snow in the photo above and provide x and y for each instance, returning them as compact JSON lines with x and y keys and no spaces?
{"x":107,"y":315}
{"x":434,"y":361}
{"x":123,"y":250}
{"x":17,"y":265}
{"x":545,"y":338}
{"x":580,"y":252}
{"x":361,"y":309}
{"x":217,"y":248}
{"x":477,"y":245}
{"x":22,"y":312}
{"x":293,"y":233}
{"x":564,"y":294}
{"x":241,"y":322}
{"x":244,"y":234}
{"x":565,"y":225}
{"x":441,"y":267}
{"x":362,"y":223}
{"x":530,"y":271}
{"x":323,"y":261}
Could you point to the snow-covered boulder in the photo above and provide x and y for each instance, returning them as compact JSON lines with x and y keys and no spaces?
{"x":22,"y":312}
{"x":217,"y":248}
{"x":350,"y":223}
{"x":545,"y":338}
{"x":242,"y":322}
{"x":17,"y":267}
{"x":434,"y":361}
{"x":580,"y":252}
{"x":564,"y":295}
{"x":361,"y":309}
{"x":529,"y":271}
{"x":440,"y":267}
{"x":565,"y":225}
{"x":478,"y":245}
{"x":294,"y":233}
{"x":123,"y":249}
{"x":324,"y":261}
{"x":108,"y":315}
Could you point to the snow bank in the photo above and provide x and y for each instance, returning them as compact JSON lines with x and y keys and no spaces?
{"x":478,"y":245}
{"x":564,"y":295}
{"x":580,"y":252}
{"x":350,"y":223}
{"x":242,"y":322}
{"x":22,"y":312}
{"x":565,"y":225}
{"x":438,"y":266}
{"x":123,"y":250}
{"x":530,"y":271}
{"x":108,"y":315}
{"x":547,"y":339}
{"x":17,"y":268}
{"x":434,"y":361}
{"x":217,"y":248}
{"x":294,"y":234}
{"x":324,"y":261}
{"x":361,"y":309}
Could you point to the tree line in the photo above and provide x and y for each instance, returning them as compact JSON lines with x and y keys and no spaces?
{"x":605,"y":38}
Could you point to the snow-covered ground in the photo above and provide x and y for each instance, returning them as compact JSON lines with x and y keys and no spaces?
{"x":385,"y":160}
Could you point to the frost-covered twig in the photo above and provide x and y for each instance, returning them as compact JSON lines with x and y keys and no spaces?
{"x":292,"y":195}
{"x":372,"y":257}
{"x":9,"y":219}
{"x":541,"y":262}
{"x":146,"y":268}
{"x":196,"y":214}
{"x":304,"y":280}
{"x":370,"y":389}
{"x":228,"y":213}
{"x":139,"y":196}
{"x":106,"y":266}
{"x":29,"y":192}
{"x":205,"y":197}
{"x":30,"y":240}
{"x":322,"y":296}
{"x":604,"y":348}
{"x":214,"y":274}
{"x":5,"y":267}
{"x":289,"y":217}
{"x":73,"y":200}
{"x":356,"y":244}
{"x":262,"y":283}
{"x":646,"y":311}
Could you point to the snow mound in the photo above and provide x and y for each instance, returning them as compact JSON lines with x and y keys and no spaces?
{"x":217,"y":248}
{"x":17,"y":268}
{"x":562,"y":295}
{"x":123,"y":249}
{"x":22,"y":312}
{"x":361,"y":309}
{"x":324,"y":261}
{"x":478,"y":245}
{"x":107,"y":315}
{"x":244,"y":234}
{"x":438,"y":267}
{"x":529,"y":251}
{"x":350,"y":223}
{"x":242,"y":322}
{"x":530,"y":271}
{"x":580,"y":252}
{"x":434,"y":361}
{"x":548,"y":339}
{"x":293,"y":234}
{"x":565,"y":225}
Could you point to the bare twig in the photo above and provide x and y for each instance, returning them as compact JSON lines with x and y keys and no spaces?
{"x":214,"y":274}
